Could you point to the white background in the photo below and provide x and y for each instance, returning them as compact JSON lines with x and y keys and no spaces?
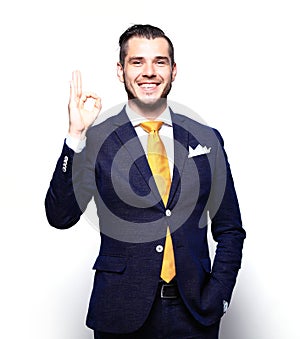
{"x":238,"y":67}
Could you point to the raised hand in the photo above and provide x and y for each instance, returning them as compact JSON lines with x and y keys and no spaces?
{"x":81,"y":118}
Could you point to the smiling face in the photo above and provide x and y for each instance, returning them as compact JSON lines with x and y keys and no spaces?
{"x":147,"y":74}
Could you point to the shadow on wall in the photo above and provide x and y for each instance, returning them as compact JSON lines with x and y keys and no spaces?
{"x":69,"y":307}
{"x":233,"y":325}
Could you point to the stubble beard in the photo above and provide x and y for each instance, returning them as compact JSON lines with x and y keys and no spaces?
{"x":148,"y":107}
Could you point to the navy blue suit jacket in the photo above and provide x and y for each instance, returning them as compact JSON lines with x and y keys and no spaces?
{"x":113,"y":170}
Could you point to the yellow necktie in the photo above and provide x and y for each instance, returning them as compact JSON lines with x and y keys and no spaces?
{"x":159,"y":164}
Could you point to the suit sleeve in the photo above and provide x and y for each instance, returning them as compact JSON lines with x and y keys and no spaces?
{"x":226,"y":225}
{"x":63,"y":206}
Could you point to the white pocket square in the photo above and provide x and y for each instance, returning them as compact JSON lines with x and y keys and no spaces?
{"x":199,"y":150}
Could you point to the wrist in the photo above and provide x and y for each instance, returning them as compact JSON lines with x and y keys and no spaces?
{"x":80,"y":135}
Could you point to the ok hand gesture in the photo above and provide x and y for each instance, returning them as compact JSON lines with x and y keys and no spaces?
{"x":81,"y":118}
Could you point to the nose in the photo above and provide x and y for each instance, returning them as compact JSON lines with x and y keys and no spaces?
{"x":149,"y":70}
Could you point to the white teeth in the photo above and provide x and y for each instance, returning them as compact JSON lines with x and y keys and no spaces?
{"x":148,"y":86}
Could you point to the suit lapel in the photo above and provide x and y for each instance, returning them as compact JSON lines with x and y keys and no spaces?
{"x":129,"y":139}
{"x":181,"y":139}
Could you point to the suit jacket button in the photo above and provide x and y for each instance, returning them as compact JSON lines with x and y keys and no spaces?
{"x":168,"y":213}
{"x":159,"y":248}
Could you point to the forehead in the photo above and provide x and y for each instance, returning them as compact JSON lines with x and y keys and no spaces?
{"x":150,"y":48}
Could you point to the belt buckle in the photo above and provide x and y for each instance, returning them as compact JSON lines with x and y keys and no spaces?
{"x":162,"y":295}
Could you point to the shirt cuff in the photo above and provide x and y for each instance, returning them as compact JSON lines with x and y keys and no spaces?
{"x":77,"y":145}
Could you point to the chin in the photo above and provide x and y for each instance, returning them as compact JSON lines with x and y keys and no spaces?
{"x":151,"y":103}
{"x":150,"y":100}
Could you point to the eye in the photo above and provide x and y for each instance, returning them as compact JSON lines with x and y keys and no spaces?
{"x":162,"y":62}
{"x":136,"y":62}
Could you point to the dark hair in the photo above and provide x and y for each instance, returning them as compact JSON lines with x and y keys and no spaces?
{"x":142,"y":31}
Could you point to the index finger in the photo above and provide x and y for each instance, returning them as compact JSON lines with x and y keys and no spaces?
{"x":76,"y":77}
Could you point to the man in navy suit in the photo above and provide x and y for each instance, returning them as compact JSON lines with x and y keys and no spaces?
{"x":109,"y":162}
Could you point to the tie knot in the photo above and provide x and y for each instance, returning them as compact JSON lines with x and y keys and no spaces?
{"x":151,"y":126}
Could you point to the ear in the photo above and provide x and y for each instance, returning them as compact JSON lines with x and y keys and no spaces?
{"x":120,"y":72}
{"x":174,"y":71}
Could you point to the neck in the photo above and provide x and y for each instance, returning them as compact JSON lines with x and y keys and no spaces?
{"x":149,"y":111}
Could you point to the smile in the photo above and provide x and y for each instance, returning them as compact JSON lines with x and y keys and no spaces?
{"x":148,"y":86}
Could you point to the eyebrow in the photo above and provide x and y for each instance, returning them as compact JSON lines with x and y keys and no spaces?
{"x":155,"y":58}
{"x":162,"y":58}
{"x":135,"y":58}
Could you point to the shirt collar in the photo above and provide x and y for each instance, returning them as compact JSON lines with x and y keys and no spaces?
{"x":137,"y":119}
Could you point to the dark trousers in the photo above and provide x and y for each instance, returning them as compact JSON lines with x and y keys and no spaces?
{"x":168,"y":319}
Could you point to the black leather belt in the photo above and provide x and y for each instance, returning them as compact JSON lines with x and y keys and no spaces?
{"x":168,"y":290}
